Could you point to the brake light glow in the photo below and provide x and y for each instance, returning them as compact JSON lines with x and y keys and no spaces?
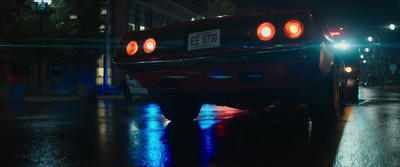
{"x":132,"y":48}
{"x":293,"y":29}
{"x":335,"y":34}
{"x":266,"y":31}
{"x":149,"y":45}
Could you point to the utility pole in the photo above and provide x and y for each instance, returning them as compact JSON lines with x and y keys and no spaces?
{"x":106,"y":56}
{"x":42,"y":9}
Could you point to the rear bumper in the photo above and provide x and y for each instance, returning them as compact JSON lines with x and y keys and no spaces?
{"x":231,"y":57}
{"x":229,"y":73}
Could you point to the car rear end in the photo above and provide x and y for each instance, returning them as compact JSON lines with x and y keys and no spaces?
{"x":266,"y":51}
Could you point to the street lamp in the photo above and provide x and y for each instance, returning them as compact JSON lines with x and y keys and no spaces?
{"x":42,"y":9}
{"x":377,"y":56}
{"x":43,"y":1}
{"x":42,"y":6}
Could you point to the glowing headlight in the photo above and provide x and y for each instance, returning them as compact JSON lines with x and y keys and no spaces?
{"x":342,"y":46}
{"x":348,"y":69}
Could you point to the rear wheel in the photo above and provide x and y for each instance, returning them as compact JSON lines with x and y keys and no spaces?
{"x":179,"y":107}
{"x":352,"y":93}
{"x":127,"y":96}
{"x":324,"y":106}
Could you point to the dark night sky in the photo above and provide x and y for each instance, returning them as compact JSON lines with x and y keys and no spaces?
{"x":360,"y":14}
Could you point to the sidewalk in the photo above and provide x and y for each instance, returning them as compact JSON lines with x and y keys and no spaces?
{"x":385,"y":87}
{"x":69,"y":98}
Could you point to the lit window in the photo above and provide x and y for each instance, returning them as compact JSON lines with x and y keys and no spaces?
{"x":73,"y":17}
{"x":103,"y":11}
{"x":138,"y":17}
{"x":102,"y":28}
{"x":131,"y":27}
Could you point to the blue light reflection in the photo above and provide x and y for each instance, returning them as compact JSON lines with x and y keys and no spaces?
{"x":207,"y":124}
{"x":208,"y":135}
{"x":219,"y":76}
{"x":152,"y":110}
{"x":155,"y":151}
{"x":151,"y":143}
{"x":148,"y":144}
{"x":208,"y":142}
{"x":255,"y":76}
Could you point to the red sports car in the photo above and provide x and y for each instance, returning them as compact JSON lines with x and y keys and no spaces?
{"x":240,"y":61}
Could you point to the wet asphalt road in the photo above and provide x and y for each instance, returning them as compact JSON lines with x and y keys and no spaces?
{"x":114,"y":133}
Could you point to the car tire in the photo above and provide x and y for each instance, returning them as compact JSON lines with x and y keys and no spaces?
{"x":352,"y":93}
{"x":127,"y":96}
{"x":325,"y":106}
{"x":342,"y":97}
{"x":179,"y":107}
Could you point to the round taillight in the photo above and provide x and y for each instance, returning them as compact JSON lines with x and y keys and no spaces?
{"x":149,"y":45}
{"x":293,"y":29}
{"x":132,"y":48}
{"x":266,"y":31}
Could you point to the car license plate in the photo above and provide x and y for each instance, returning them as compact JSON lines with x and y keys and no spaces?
{"x":204,"y":39}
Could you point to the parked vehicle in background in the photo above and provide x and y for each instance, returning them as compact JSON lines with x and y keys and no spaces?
{"x":348,"y":48}
{"x":131,"y":87}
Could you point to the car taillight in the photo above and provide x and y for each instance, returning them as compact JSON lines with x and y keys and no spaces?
{"x":335,"y":34}
{"x":149,"y":45}
{"x":132,"y":48}
{"x":266,"y":31}
{"x":293,"y":29}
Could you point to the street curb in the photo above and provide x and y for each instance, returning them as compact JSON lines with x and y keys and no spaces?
{"x":68,"y":98}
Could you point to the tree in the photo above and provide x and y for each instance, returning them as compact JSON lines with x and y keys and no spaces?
{"x":220,"y":7}
{"x":67,"y":35}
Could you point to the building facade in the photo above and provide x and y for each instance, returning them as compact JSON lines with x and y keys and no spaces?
{"x":74,"y":42}
{"x":137,"y":15}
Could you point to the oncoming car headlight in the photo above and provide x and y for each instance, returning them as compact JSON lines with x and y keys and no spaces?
{"x":342,"y":46}
{"x":348,"y":69}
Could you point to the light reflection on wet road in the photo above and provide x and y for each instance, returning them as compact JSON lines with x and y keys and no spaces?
{"x":371,"y":136}
{"x":113,"y":133}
